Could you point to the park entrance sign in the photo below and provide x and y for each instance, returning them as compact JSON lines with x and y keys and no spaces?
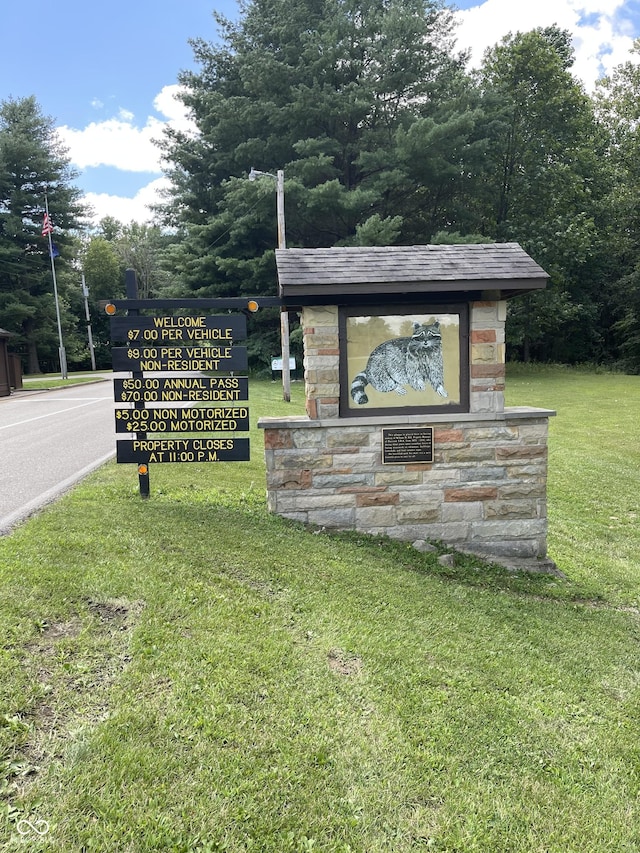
{"x":144,"y":410}
{"x":171,"y":408}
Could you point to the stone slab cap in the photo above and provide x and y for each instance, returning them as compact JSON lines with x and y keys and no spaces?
{"x":305,"y":422}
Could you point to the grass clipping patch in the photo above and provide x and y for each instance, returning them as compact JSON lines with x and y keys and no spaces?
{"x":72,"y":665}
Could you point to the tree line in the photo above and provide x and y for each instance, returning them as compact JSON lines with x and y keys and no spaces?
{"x":385,"y":138}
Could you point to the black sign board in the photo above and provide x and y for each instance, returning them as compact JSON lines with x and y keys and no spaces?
{"x":406,"y":445}
{"x":183,"y":419}
{"x":141,"y":331}
{"x":183,"y":450}
{"x":186,"y":400}
{"x":171,"y":359}
{"x":176,"y":389}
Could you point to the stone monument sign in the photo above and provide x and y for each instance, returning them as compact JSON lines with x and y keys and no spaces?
{"x":406,"y":432}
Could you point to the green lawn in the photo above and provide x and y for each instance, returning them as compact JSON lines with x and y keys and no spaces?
{"x":189,"y":673}
{"x":47,"y":381}
{"x":594,"y":474}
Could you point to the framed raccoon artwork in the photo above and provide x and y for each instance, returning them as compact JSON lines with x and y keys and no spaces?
{"x":404,"y":360}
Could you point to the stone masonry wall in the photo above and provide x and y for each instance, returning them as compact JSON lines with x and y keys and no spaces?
{"x":321,"y":361}
{"x":487,"y":356}
{"x":485,"y":491}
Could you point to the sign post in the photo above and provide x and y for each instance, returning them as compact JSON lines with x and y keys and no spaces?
{"x":143,"y":468}
{"x":171,"y":395}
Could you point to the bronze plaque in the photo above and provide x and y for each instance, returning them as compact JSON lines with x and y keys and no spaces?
{"x":407,"y":445}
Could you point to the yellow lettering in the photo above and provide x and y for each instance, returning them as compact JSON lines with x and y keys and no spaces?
{"x":184,"y":322}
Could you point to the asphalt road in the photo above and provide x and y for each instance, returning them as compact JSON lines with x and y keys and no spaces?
{"x":48,"y":441}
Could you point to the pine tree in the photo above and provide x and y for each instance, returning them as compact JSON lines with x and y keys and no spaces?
{"x":327,"y":90}
{"x":32,"y":163}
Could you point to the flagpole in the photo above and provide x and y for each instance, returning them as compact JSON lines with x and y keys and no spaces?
{"x":85,"y":293}
{"x":61,"y":351}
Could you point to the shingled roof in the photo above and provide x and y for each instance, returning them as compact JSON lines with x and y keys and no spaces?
{"x":353,"y":270}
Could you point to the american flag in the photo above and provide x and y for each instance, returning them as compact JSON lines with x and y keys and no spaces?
{"x":47,"y":225}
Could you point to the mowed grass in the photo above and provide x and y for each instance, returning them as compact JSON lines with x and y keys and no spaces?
{"x":48,"y":381}
{"x":594,"y":474}
{"x":190,"y":673}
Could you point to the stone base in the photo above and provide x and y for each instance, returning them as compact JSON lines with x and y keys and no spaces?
{"x":543,"y":565}
{"x":484,"y":493}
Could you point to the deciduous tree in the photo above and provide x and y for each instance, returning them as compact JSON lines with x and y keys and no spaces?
{"x":618,"y":108}
{"x":544,"y":181}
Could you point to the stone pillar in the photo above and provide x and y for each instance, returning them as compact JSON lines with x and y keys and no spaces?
{"x":321,"y":361}
{"x":487,"y":356}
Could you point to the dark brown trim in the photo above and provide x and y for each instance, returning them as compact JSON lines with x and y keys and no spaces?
{"x":232,"y":303}
{"x":325,"y":294}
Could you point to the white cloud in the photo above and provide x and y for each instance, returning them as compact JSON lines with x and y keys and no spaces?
{"x":168,"y":105}
{"x":602,"y":29}
{"x":124,"y":209}
{"x":120,"y":143}
{"x":115,"y":142}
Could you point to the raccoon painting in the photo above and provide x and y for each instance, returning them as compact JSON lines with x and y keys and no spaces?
{"x":414,"y":361}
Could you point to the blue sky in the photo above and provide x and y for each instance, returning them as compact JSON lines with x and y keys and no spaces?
{"x":106,"y":73}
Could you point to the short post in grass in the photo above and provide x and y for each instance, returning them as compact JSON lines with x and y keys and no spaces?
{"x":144,"y":485}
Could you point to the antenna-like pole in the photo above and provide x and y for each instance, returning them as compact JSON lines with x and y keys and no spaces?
{"x":85,"y":293}
{"x":282,"y":244}
{"x":61,"y":351}
{"x":284,"y":314}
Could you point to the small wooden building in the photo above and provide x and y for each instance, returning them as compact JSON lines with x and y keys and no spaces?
{"x":5,"y":375}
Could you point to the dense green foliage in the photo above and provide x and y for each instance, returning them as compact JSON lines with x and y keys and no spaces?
{"x":547,"y":181}
{"x":618,"y":107}
{"x":340,"y":94}
{"x":33,"y":163}
{"x":385,"y":139}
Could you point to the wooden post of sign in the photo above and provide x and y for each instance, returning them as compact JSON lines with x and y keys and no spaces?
{"x":143,"y":470}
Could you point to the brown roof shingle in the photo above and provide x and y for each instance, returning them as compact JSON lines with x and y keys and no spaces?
{"x":430,"y":268}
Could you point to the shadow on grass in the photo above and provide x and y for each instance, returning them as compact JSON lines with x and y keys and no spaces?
{"x":467,"y":569}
